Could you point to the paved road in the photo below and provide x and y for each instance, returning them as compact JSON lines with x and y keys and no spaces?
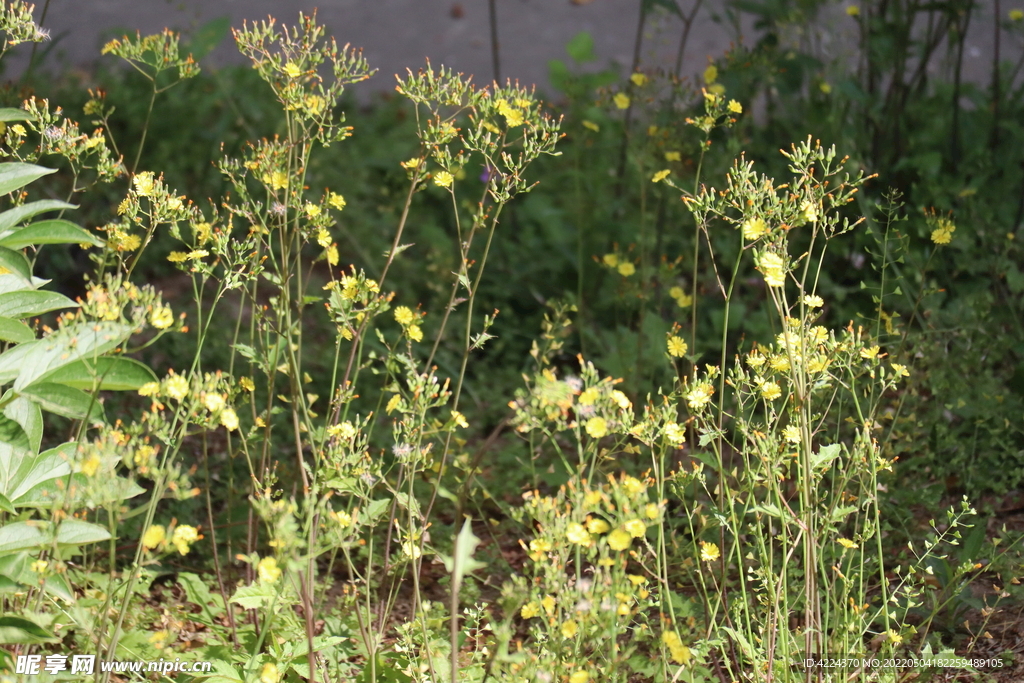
{"x":400,"y":34}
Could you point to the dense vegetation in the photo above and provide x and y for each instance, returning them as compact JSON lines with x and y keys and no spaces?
{"x":472,"y":385}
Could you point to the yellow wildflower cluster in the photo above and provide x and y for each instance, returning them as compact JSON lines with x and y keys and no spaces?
{"x":682,"y":299}
{"x":409,"y":322}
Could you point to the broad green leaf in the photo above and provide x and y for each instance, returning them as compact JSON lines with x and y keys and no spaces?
{"x":61,"y":399}
{"x":22,"y":471}
{"x":75,"y":532}
{"x":29,"y":416}
{"x":16,"y":263}
{"x":254,"y":596}
{"x":16,"y":573}
{"x":114,"y":372}
{"x":199,"y":594}
{"x":28,"y":362}
{"x":30,"y":303}
{"x":13,"y":434}
{"x":19,"y":214}
{"x":14,"y":330}
{"x":22,"y":536}
{"x":50,"y":232}
{"x":16,"y":175}
{"x":11,"y":114}
{"x":20,"y":631}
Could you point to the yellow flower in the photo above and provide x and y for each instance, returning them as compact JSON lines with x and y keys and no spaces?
{"x":177,"y":387}
{"x":626,"y":269}
{"x":621,"y":400}
{"x":680,"y":653}
{"x":779,"y":363}
{"x":825,"y":87}
{"x":676,"y":347}
{"x":39,"y":566}
{"x":619,"y":539}
{"x":900,"y":370}
{"x":404,"y":315}
{"x":592,"y":498}
{"x":633,"y":486}
{"x":773,"y":268}
{"x":651,"y":511}
{"x":791,"y":433}
{"x":700,"y":396}
{"x":770,"y":391}
{"x":1016,"y":14}
{"x":635,"y":528}
{"x":675,"y":434}
{"x":809,"y":212}
{"x":894,"y":638}
{"x":660,"y":175}
{"x":154,"y":536}
{"x":597,"y":427}
{"x":944,"y":233}
{"x":590,"y":125}
{"x":548,"y":603}
{"x":269,"y":673}
{"x":312,"y":210}
{"x":684,"y":301}
{"x":203,"y":231}
{"x":735,"y":107}
{"x":336,"y":201}
{"x":711,"y":74}
{"x":278,"y":180}
{"x":579,"y":677}
{"x":174,"y":203}
{"x":610,"y":260}
{"x":393,"y":403}
{"x":323,"y":238}
{"x":621,"y":100}
{"x":846,"y":543}
{"x":247,"y":384}
{"x":183,"y":536}
{"x":853,"y":10}
{"x":529,"y":610}
{"x":229,"y":419}
{"x":638,"y":79}
{"x":161,"y":318}
{"x":569,"y":629}
{"x":869,"y":352}
{"x":709,"y":551}
{"x":753,"y":228}
{"x":673,"y":156}
{"x":197,"y":254}
{"x":460,"y":419}
{"x":589,"y":396}
{"x":213,"y":402}
{"x":292,"y":70}
{"x":18,"y":129}
{"x":415,"y":333}
{"x":675,"y":292}
{"x":596,"y":525}
{"x":143,"y":455}
{"x":177,"y":257}
{"x":577,"y":534}
{"x":91,"y":465}
{"x":268,"y":570}
{"x":143,"y":183}
{"x":443,"y":179}
{"x":149,"y":389}
{"x":315,"y":104}
{"x":812,"y":301}
{"x":513,"y":117}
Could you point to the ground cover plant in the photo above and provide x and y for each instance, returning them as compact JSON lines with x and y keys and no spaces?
{"x":428,"y":394}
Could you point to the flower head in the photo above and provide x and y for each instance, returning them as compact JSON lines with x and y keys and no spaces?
{"x":621,"y":100}
{"x":620,"y":539}
{"x":676,"y":347}
{"x":709,"y":551}
{"x":154,"y":536}
{"x":443,"y":179}
{"x":597,"y":427}
{"x":268,"y":570}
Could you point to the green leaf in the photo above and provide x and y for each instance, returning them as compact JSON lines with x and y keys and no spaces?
{"x":254,"y":596}
{"x":28,"y":362}
{"x":5,"y":504}
{"x":22,"y":536}
{"x":16,"y":175}
{"x":13,"y":434}
{"x":198,"y":594}
{"x":15,"y":262}
{"x":824,"y":457}
{"x":21,"y":472}
{"x":55,"y":231}
{"x":115,"y":373}
{"x":61,"y":399}
{"x":30,"y":303}
{"x":9,"y":114}
{"x":28,"y":415}
{"x":581,"y":47}
{"x":21,"y":631}
{"x":75,"y":532}
{"x":15,"y":331}
{"x":19,"y":214}
{"x":462,"y":560}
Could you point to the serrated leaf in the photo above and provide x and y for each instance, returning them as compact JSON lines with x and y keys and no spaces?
{"x":61,"y":399}
{"x":824,"y":457}
{"x":50,"y":232}
{"x":30,"y":303}
{"x":115,"y":373}
{"x":19,"y":214}
{"x":16,"y":175}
